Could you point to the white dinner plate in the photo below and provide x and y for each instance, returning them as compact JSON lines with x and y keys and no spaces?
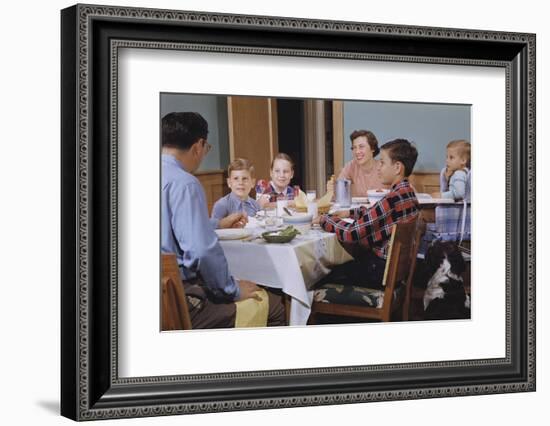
{"x":376,"y":195}
{"x":233,"y":233}
{"x":377,"y":192}
{"x":298,"y":217}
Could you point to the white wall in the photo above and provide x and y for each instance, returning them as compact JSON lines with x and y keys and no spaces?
{"x":29,"y":225}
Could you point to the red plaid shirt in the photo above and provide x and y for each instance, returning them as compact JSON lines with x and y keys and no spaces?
{"x":264,"y":187}
{"x":372,"y":227}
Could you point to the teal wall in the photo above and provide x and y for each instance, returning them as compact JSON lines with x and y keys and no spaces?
{"x":429,"y":126}
{"x":214,"y":111}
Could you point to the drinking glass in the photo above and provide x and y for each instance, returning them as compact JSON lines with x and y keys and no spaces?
{"x":270,"y":218}
{"x":312,"y":209}
{"x":282,"y":202}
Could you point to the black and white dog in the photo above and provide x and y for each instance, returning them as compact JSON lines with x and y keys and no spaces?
{"x":445,"y":297}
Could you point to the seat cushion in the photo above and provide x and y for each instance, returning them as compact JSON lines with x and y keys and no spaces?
{"x":354,"y":295}
{"x":349,"y":295}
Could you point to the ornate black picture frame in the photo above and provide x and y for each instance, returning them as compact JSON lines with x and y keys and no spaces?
{"x":91,"y":387}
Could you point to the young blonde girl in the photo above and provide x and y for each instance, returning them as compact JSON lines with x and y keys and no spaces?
{"x":455,"y":177}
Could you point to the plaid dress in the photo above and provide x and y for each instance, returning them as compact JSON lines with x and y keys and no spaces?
{"x":452,"y":221}
{"x":264,"y":187}
{"x":372,"y":227}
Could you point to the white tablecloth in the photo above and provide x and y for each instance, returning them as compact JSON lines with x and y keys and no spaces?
{"x":423,"y":199}
{"x":293,"y":267}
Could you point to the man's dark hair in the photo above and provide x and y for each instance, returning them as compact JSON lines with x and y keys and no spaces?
{"x":371,"y":139}
{"x":404,"y":151}
{"x":182,"y":129}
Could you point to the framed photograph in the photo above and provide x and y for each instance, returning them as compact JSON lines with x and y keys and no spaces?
{"x":267,"y":85}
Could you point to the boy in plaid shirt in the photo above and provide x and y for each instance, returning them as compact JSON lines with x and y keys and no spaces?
{"x":371,"y":228}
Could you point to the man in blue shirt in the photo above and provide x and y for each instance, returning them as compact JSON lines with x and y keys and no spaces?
{"x":187,"y":231}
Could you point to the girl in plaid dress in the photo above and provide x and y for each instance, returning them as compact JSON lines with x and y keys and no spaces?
{"x":282,"y":172}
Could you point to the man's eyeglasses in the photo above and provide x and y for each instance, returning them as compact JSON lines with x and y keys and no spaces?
{"x":206,"y":146}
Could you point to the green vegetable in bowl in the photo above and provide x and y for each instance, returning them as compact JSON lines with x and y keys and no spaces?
{"x":287,"y":232}
{"x":281,"y":236}
{"x":290,"y":230}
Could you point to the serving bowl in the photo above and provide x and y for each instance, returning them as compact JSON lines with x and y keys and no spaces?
{"x":301,"y":221}
{"x":281,"y":236}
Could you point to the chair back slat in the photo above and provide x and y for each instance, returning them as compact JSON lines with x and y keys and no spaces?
{"x":400,"y":263}
{"x":174,"y":308}
{"x":406,"y":246}
{"x":400,"y":247}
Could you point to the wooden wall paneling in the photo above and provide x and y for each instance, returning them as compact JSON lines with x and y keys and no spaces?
{"x":425,"y":182}
{"x":273,"y":129}
{"x":338,"y":136}
{"x":314,"y":132}
{"x":253,"y":131}
{"x":214,"y":185}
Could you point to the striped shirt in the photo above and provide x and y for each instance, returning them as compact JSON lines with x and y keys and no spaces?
{"x":372,"y":227}
{"x":231,"y":203}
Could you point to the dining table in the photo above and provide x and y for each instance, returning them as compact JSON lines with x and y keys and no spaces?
{"x":294,"y":267}
{"x":426,"y":204}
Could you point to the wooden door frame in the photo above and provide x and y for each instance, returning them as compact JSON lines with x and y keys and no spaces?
{"x":337,"y":136}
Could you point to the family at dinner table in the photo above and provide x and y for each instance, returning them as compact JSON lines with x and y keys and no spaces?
{"x":188,"y":231}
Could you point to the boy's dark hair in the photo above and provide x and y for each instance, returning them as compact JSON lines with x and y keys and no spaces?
{"x":371,"y":139}
{"x":182,"y":129}
{"x":403,"y":151}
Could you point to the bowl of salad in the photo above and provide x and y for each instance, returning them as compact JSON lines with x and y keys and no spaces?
{"x":281,"y":236}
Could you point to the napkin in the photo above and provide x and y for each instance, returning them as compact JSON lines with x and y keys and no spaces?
{"x":325,"y":199}
{"x":251,"y":312}
{"x":301,"y":200}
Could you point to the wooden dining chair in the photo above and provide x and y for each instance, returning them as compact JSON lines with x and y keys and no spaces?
{"x":361,"y":302}
{"x":174,"y":308}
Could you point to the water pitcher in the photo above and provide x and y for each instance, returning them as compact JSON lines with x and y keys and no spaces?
{"x":343,"y":192}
